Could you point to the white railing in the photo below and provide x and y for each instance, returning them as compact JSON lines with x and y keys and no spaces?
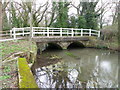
{"x":4,"y":33}
{"x":48,"y":32}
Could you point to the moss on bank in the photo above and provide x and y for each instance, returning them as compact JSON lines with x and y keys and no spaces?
{"x":26,"y":78}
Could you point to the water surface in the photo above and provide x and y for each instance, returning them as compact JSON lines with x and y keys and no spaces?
{"x":80,"y":68}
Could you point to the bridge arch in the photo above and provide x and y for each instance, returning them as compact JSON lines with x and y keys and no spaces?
{"x":53,"y":46}
{"x":75,"y":44}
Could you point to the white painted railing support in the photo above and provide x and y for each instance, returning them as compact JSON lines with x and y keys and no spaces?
{"x":67,"y":32}
{"x":10,"y":33}
{"x":32,"y":32}
{"x":72,"y":32}
{"x":47,"y":31}
{"x":14,"y":33}
{"x":52,"y":32}
{"x":89,"y":32}
{"x":44,"y":32}
{"x":98,"y":33}
{"x":81,"y":32}
{"x":23,"y":31}
{"x":61,"y":32}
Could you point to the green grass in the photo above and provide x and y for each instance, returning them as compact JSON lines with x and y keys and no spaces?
{"x":9,"y":47}
{"x":7,"y":69}
{"x":5,"y":77}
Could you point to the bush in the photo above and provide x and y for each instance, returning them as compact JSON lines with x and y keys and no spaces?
{"x":109,"y":32}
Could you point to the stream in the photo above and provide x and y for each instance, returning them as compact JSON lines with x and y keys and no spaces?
{"x":79,"y":68}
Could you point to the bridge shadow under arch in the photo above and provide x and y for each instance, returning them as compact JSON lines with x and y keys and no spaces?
{"x":75,"y":45}
{"x":53,"y":46}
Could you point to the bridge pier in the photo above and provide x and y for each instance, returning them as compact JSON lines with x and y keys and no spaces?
{"x":40,"y":47}
{"x":64,"y":45}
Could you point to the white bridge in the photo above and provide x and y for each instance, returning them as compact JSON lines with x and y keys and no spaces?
{"x":47,"y":32}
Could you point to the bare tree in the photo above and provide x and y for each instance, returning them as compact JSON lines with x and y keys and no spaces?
{"x":51,"y":16}
{"x":115,"y":14}
{"x":25,"y":9}
{"x":0,"y":16}
{"x":102,"y":11}
{"x":119,"y":23}
{"x":78,"y":8}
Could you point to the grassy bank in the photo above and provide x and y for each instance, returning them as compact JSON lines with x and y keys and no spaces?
{"x":10,"y":47}
{"x":109,"y":36}
{"x":101,"y":44}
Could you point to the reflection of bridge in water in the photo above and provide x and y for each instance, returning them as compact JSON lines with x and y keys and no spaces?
{"x":59,"y":36}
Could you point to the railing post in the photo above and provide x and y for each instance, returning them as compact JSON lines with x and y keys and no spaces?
{"x":14,"y":34}
{"x":89,"y":32}
{"x":61,"y":32}
{"x":10,"y":33}
{"x":47,"y":31}
{"x":44,"y":32}
{"x":67,"y":32}
{"x":98,"y":33}
{"x":72,"y":32}
{"x":52,"y":32}
{"x":23,"y":31}
{"x":32,"y":32}
{"x":81,"y":32}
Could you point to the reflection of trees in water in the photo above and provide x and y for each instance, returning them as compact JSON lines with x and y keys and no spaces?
{"x":86,"y":72}
{"x":62,"y":76}
{"x":68,"y":78}
{"x":59,"y":76}
{"x":107,"y":78}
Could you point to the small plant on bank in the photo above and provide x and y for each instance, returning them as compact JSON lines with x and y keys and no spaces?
{"x":5,"y":77}
{"x":6,"y":69}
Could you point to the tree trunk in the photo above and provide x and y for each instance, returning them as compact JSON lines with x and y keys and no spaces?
{"x":119,"y":40}
{"x":0,"y":37}
{"x":0,"y":16}
{"x":119,"y":23}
